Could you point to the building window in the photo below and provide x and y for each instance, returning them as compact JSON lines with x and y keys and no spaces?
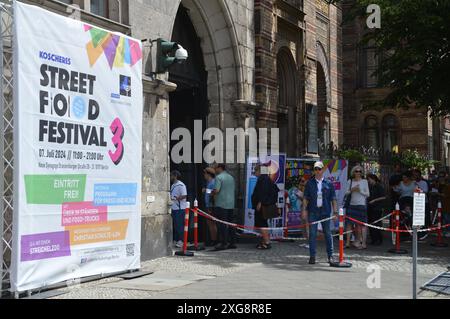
{"x":324,"y":132}
{"x":312,"y":131}
{"x":369,"y":64}
{"x":390,"y":129}
{"x":99,"y":7}
{"x":371,"y":134}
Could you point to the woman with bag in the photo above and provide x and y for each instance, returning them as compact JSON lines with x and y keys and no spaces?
{"x":264,"y":202}
{"x":357,"y":207}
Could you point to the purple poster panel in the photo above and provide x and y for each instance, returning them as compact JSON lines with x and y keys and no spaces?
{"x":45,"y":246}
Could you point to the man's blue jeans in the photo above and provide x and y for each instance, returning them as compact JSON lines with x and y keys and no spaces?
{"x":178,"y":224}
{"x":326,"y":227}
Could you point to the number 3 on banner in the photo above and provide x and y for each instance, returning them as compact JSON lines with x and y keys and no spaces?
{"x":118,"y":131}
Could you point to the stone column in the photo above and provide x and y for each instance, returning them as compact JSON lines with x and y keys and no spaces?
{"x":245,"y":117}
{"x":156,"y":235}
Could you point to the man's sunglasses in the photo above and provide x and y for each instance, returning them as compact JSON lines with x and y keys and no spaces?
{"x":317,"y":169}
{"x":358,"y":171}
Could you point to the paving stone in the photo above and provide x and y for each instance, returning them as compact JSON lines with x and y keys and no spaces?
{"x":281,"y":272}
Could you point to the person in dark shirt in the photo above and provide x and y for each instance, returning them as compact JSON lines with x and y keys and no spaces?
{"x":265,"y":193}
{"x":375,"y":207}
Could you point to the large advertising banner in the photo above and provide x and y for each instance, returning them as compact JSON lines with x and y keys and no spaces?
{"x":299,"y":171}
{"x":276,"y":168}
{"x":78,"y":121}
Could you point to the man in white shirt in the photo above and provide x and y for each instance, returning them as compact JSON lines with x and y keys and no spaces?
{"x":178,"y":195}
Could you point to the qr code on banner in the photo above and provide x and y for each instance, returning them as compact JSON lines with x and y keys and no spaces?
{"x":130,"y":250}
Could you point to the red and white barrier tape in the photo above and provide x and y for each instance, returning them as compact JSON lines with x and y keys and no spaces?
{"x":382,"y":218}
{"x":394,"y":230}
{"x":243,"y":227}
{"x":250,"y":228}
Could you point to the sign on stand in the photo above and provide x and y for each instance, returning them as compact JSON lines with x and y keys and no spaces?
{"x":419,"y":209}
{"x":418,"y":221}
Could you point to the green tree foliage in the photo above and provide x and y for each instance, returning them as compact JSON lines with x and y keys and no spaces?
{"x":352,"y":155}
{"x":414,"y":40}
{"x":412,"y":159}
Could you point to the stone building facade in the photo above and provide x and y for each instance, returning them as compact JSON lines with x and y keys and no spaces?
{"x":253,"y":63}
{"x":390,"y":130}
{"x":298,"y":75}
{"x":215,"y":86}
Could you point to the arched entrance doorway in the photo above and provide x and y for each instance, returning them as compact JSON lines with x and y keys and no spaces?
{"x":208,"y":84}
{"x":189,"y":102}
{"x":287,"y":102}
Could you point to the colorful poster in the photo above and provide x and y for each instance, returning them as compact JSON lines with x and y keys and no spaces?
{"x":78,"y":139}
{"x":299,"y":171}
{"x":276,"y":168}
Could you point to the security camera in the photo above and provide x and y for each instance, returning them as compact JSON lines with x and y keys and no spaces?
{"x":181,"y":54}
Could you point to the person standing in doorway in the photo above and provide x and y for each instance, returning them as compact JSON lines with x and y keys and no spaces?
{"x":210,"y":174}
{"x":319,"y":203}
{"x":224,"y":199}
{"x":178,"y":195}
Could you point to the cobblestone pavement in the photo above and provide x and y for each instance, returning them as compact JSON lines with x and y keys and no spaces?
{"x":281,"y":272}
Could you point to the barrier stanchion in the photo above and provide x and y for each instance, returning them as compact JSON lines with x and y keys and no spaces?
{"x":341,"y":263}
{"x":185,"y":252}
{"x":440,"y":242}
{"x":196,"y":245}
{"x":397,"y":249}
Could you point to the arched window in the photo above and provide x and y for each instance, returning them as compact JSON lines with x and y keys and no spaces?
{"x":371,"y":133}
{"x":287,"y":102}
{"x":322,"y":107}
{"x":390,"y":127}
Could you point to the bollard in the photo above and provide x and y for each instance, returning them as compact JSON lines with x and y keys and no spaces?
{"x":397,"y":249}
{"x":440,"y":242}
{"x":185,"y":252}
{"x":196,"y":245}
{"x":341,"y":263}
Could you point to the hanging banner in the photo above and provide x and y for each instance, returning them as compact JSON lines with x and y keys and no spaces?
{"x":78,"y":139}
{"x":276,"y":167}
{"x":299,"y":171}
